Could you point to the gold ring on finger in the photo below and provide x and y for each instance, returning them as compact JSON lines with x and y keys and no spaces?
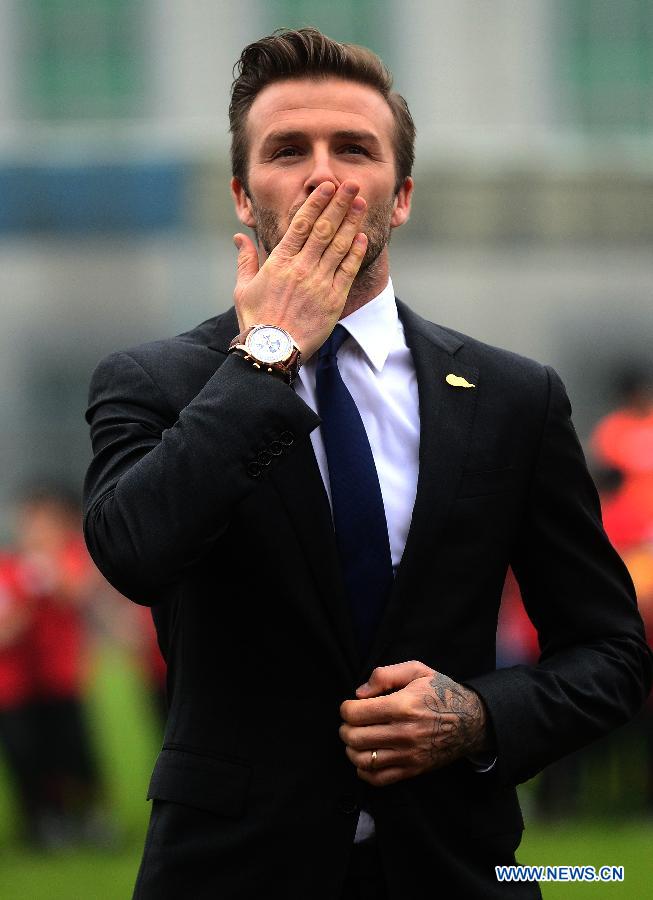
{"x":374,"y":759}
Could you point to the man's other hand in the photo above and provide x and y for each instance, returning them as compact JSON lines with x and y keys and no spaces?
{"x":408,"y":719}
{"x":303,"y":284}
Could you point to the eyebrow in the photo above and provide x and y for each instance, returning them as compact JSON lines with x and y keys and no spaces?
{"x":288,"y":137}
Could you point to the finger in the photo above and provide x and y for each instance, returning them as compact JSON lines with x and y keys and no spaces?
{"x":247,"y":261}
{"x":376,"y":711}
{"x":393,"y":678}
{"x":367,"y":760}
{"x":304,"y":219}
{"x":338,"y":248}
{"x":381,"y":777}
{"x":348,"y":268}
{"x":326,"y":226}
{"x":371,"y":737}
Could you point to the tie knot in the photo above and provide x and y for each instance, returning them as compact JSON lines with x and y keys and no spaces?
{"x":333,"y":343}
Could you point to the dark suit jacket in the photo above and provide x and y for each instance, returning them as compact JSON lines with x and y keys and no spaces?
{"x":204,"y":500}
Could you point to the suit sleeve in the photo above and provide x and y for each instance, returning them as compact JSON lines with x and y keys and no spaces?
{"x":594,"y":670}
{"x":163,"y":486}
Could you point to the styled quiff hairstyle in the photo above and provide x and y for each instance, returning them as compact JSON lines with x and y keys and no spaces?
{"x":309,"y":53}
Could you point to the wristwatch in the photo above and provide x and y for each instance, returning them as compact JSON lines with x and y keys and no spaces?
{"x":269,"y":347}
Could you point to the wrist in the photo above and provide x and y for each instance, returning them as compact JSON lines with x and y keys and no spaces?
{"x":481,"y":739}
{"x":269,"y":348}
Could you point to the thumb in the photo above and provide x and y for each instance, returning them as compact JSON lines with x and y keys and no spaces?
{"x":247,"y":261}
{"x":392,"y":678}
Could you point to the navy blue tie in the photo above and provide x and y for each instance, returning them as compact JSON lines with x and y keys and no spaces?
{"x":358,"y":514}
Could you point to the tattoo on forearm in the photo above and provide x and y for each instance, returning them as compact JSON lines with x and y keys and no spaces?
{"x":458,"y":721}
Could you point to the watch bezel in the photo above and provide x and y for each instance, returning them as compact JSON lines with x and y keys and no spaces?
{"x":281,"y":359}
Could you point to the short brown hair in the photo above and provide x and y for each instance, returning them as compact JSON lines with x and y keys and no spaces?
{"x":309,"y":53}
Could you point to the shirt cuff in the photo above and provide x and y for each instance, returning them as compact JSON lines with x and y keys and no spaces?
{"x":481,"y":763}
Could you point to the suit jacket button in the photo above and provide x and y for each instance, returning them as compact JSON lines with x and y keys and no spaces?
{"x":287,"y":438}
{"x":276,"y":448}
{"x":348,"y":804}
{"x":264,"y":458}
{"x":253,"y":469}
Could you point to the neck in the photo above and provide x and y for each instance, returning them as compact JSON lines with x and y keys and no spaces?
{"x":368,"y":284}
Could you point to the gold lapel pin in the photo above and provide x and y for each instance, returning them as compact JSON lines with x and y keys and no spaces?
{"x":458,"y":381}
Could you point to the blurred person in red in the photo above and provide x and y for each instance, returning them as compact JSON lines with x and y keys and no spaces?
{"x":17,"y":723}
{"x":516,"y":635}
{"x":59,"y":578}
{"x":623,"y":440}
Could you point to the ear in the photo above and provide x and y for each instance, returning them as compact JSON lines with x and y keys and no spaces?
{"x":242,"y":203}
{"x":402,"y":202}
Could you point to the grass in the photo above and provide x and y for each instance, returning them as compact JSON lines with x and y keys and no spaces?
{"x":127,"y":738}
{"x":75,"y":876}
{"x":596,"y":843}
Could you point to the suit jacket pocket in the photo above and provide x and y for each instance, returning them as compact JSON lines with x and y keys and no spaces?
{"x":479,"y":484}
{"x":206,"y":782}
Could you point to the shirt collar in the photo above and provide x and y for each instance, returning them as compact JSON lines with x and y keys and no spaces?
{"x":374,"y":326}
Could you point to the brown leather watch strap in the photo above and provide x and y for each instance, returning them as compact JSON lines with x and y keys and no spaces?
{"x":287,"y":369}
{"x":241,"y":338}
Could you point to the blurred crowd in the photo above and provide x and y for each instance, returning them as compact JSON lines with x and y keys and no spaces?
{"x":54,"y":605}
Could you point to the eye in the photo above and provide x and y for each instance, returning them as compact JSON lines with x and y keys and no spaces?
{"x":285,"y":153}
{"x":355,"y":149}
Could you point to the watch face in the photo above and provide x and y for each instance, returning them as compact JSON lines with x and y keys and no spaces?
{"x":269,"y":344}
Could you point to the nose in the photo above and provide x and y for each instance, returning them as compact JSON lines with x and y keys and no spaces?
{"x":320,"y":170}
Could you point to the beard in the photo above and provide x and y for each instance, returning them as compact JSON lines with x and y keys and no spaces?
{"x":376,"y":225}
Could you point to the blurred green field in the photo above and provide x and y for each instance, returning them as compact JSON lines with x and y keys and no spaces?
{"x":127,"y":736}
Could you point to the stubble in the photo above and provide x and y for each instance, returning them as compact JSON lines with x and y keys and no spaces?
{"x":376,"y":226}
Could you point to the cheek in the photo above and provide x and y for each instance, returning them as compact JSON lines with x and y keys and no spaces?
{"x":275,"y":187}
{"x":278,"y":203}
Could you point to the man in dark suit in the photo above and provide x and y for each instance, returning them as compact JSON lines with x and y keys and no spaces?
{"x":324,"y":549}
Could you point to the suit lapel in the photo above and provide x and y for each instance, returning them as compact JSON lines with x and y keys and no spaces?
{"x":446,"y":414}
{"x":301,"y":489}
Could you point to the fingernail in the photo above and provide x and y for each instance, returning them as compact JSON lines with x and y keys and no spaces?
{"x":363,"y":687}
{"x":327,"y":189}
{"x":236,"y":241}
{"x":351,"y":189}
{"x":358,"y":204}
